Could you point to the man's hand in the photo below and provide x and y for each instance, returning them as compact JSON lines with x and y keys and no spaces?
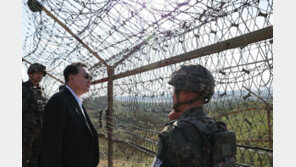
{"x":174,"y":115}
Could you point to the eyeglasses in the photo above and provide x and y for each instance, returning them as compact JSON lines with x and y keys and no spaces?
{"x":87,"y":76}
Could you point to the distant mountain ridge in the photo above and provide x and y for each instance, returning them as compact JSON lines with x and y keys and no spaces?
{"x":264,"y":94}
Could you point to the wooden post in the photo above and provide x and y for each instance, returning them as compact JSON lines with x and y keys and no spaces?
{"x":269,"y":129}
{"x":109,"y":113}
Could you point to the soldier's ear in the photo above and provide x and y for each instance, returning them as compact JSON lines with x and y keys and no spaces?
{"x":188,"y":95}
{"x":183,"y":95}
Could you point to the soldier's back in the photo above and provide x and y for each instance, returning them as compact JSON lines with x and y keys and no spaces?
{"x":196,"y":140}
{"x":180,"y":145}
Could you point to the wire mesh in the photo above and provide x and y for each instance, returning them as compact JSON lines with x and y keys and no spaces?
{"x":131,"y":34}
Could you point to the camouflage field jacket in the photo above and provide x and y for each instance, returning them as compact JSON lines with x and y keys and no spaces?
{"x":182,"y":144}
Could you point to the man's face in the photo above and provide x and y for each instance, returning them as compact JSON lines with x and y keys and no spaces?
{"x":82,"y":81}
{"x":37,"y":76}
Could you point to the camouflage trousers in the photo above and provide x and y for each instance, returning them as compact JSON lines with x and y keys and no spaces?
{"x":31,"y":147}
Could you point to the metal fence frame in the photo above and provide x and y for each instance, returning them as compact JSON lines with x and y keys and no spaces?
{"x":240,"y":41}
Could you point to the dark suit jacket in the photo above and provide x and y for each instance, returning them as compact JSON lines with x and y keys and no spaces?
{"x":68,"y":139}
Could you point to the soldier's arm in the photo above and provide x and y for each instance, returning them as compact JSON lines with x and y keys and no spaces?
{"x":179,"y":146}
{"x":162,"y":147}
{"x":54,"y":124}
{"x":25,"y":100}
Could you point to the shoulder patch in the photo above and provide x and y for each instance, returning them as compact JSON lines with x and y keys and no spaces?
{"x":157,"y":163}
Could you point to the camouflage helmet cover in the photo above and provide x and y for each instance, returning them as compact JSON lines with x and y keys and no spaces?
{"x":36,"y":67}
{"x":195,"y":78}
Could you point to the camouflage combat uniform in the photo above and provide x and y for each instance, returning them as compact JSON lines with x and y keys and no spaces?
{"x":189,"y":142}
{"x":33,"y":102}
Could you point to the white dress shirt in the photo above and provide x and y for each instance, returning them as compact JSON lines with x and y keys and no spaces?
{"x":79,"y":100}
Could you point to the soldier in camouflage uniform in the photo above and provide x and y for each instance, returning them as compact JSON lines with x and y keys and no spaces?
{"x":194,"y":139}
{"x":33,"y":102}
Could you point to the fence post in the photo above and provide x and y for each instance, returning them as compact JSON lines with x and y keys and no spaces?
{"x":269,"y":129}
{"x":110,"y":71}
{"x":269,"y":126}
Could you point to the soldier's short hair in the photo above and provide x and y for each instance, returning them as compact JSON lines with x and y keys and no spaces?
{"x":72,"y":69}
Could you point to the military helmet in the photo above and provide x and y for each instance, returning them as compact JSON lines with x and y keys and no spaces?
{"x":36,"y":67}
{"x":194,"y":78}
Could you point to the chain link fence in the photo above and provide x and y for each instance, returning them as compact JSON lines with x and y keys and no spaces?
{"x":132,"y":47}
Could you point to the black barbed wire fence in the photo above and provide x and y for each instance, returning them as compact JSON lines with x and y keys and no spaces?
{"x":132,"y":47}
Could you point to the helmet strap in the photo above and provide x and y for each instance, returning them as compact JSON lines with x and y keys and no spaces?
{"x":175,"y":107}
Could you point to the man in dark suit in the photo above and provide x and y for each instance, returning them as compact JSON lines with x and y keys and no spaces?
{"x":69,"y":138}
